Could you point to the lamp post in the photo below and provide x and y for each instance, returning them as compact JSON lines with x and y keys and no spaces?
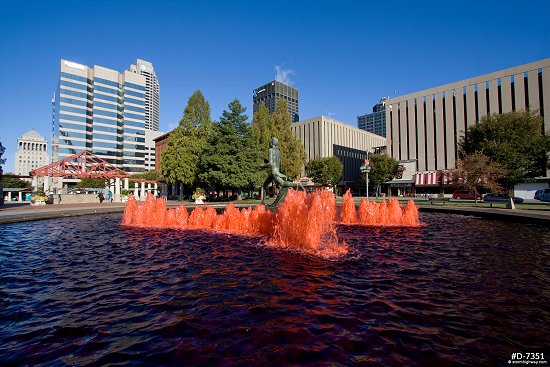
{"x":366,"y":169}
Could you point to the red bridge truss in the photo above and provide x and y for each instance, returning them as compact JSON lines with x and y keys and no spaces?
{"x":83,"y":165}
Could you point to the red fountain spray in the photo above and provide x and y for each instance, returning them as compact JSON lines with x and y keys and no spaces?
{"x":305,"y":223}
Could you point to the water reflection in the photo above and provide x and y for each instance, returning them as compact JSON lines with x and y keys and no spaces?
{"x":458,"y":291}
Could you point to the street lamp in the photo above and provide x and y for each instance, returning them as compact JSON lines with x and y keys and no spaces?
{"x":366,"y":169}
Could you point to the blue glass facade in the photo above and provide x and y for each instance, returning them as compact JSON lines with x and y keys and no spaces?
{"x":106,"y":117}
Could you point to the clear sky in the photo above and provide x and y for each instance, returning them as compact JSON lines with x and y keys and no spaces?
{"x":343,"y":56}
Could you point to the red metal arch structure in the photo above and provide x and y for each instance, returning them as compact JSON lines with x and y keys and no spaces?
{"x":82,"y":165}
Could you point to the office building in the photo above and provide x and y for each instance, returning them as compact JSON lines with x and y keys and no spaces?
{"x":271,"y":93}
{"x":102,"y":111}
{"x":150,"y":155}
{"x":32,"y":152}
{"x":325,"y":137}
{"x":374,"y":122}
{"x":152,"y":93}
{"x":427,"y":126}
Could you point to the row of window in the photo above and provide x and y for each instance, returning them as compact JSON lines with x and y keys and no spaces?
{"x":134,"y":116}
{"x":135,"y":86}
{"x":135,"y":94}
{"x":73,"y":118}
{"x":74,"y":110}
{"x":132,"y":108}
{"x":102,"y":81}
{"x":106,"y":113}
{"x":77,"y":102}
{"x":106,"y":105}
{"x":73,"y":93}
{"x":107,"y":82}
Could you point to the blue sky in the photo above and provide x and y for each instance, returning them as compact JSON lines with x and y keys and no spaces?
{"x":343,"y":56}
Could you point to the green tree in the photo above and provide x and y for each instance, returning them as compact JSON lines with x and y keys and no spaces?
{"x":325,"y":171}
{"x":292,"y":150}
{"x":231,"y":159}
{"x":383,"y":169}
{"x":181,"y":158}
{"x":262,"y":128}
{"x":147,"y":175}
{"x":16,"y":183}
{"x":513,"y":140}
{"x":91,"y":183}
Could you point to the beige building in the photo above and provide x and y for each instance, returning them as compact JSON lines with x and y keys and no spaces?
{"x":32,"y":152}
{"x":426,"y":126}
{"x":325,"y":137}
{"x":150,"y":156}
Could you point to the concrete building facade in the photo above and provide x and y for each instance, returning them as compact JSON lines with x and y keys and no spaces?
{"x":32,"y":152}
{"x":271,"y":93}
{"x":427,"y":126}
{"x":152,"y":93}
{"x":102,"y":111}
{"x":325,"y":137}
{"x":374,"y":122}
{"x":150,"y":147}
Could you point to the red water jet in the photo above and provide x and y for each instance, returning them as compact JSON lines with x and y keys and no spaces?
{"x":305,"y":223}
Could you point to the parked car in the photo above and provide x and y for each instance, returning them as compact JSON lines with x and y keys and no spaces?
{"x":501,"y":198}
{"x":466,"y":194}
{"x":546,"y":195}
{"x":538,"y":195}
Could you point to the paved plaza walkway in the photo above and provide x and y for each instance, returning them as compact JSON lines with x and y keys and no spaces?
{"x":20,"y":212}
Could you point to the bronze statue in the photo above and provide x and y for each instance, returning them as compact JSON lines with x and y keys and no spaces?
{"x":279,"y":180}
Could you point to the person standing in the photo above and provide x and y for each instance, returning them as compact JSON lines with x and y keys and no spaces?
{"x":110,"y":196}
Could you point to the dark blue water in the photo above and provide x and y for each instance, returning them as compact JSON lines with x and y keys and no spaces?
{"x":85,"y":291}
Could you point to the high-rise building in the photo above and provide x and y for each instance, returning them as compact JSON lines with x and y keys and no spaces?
{"x":152,"y":93}
{"x":32,"y":152}
{"x":102,"y":111}
{"x":325,"y":137}
{"x":374,"y":122}
{"x":427,"y":125}
{"x":271,"y":93}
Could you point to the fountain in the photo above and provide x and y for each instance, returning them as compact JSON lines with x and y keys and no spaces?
{"x":303,"y":222}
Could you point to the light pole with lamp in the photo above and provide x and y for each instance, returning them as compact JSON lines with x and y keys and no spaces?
{"x":366,"y":169}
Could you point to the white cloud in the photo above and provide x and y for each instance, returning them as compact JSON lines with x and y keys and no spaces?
{"x":283,"y":75}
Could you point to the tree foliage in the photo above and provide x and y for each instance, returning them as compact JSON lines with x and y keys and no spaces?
{"x":265,"y":126}
{"x":478,"y":172}
{"x":147,"y":175}
{"x":90,"y":182}
{"x":186,"y":144}
{"x":514,"y":140}
{"x":383,"y":169}
{"x":231,"y":158}
{"x":16,"y":183}
{"x":325,"y":171}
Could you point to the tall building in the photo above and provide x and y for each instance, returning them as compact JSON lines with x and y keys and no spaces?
{"x":374,"y":122}
{"x":427,"y":126}
{"x":152,"y":93}
{"x":32,"y":152}
{"x":271,"y":93}
{"x":325,"y":137}
{"x":102,"y":111}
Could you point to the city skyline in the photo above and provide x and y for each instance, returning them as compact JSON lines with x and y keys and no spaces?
{"x":341,"y":59}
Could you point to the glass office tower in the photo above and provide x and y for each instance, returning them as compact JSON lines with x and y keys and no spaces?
{"x":102,"y":111}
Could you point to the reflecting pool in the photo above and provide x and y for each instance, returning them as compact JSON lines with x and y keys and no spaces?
{"x":89,"y":291}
